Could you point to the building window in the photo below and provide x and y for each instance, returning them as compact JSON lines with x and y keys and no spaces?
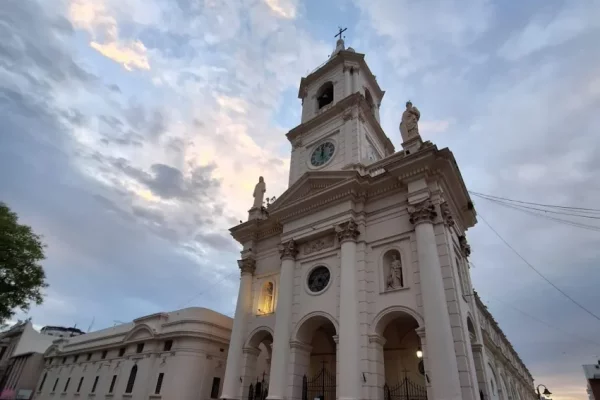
{"x":214,"y":391}
{"x":159,"y":382}
{"x":42,"y":382}
{"x":89,"y":356}
{"x":76,"y":358}
{"x":112,"y":384}
{"x":64,"y":360}
{"x":325,"y":95}
{"x":140,"y":348}
{"x":167,"y":346}
{"x":131,"y":380}
{"x":55,"y":384}
{"x":67,"y":384}
{"x":461,"y":276}
{"x":79,"y":385}
{"x":121,"y":351}
{"x":2,"y":351}
{"x":95,"y":384}
{"x":104,"y":353}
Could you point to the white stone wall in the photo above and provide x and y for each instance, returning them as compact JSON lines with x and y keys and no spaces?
{"x":198,"y":354}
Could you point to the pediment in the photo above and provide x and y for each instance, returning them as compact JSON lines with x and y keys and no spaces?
{"x":309,"y":185}
{"x":140,"y":332}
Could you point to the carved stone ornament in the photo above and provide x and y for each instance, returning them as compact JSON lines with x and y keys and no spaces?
{"x":288,"y":249}
{"x":247,"y":265}
{"x":422,"y":212}
{"x":347,"y":231}
{"x":348,"y":115}
{"x":465,"y":249}
{"x":318,"y":244}
{"x":447,"y":214}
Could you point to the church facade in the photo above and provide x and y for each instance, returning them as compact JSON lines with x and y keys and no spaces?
{"x":355,"y":281}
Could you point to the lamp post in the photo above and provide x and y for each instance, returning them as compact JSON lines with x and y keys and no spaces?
{"x":546,"y":391}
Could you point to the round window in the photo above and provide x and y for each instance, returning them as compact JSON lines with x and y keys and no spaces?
{"x":318,"y":279}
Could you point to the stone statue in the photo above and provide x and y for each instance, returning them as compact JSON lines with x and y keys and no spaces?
{"x":259,"y":193}
{"x":268,"y":298}
{"x":396,"y":271}
{"x":409,"y":127}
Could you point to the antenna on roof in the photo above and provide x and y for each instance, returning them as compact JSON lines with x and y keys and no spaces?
{"x":90,"y":327}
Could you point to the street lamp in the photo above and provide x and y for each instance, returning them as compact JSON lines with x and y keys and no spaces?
{"x":419,"y":352}
{"x":546,"y":391}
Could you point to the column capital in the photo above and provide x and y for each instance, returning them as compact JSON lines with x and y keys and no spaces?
{"x":298,"y":345}
{"x":375,"y":338}
{"x":465,"y":249}
{"x":348,"y":231}
{"x":247,"y":265}
{"x":422,"y":212}
{"x":477,"y":347}
{"x":251,"y":350}
{"x":447,"y":214}
{"x":288,"y":250}
{"x":421,"y":332}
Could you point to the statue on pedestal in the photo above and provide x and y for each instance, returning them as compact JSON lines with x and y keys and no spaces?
{"x":409,"y":126}
{"x":259,"y":193}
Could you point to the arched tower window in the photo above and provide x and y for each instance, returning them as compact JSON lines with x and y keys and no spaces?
{"x":471,"y":329}
{"x":325,"y":95}
{"x":267,"y":296}
{"x":131,"y":380}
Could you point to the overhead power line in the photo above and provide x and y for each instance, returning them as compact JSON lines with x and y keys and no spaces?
{"x":208,"y":289}
{"x":559,"y":220}
{"x":592,"y":210}
{"x":538,"y":272}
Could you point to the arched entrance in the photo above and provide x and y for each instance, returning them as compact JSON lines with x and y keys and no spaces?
{"x":403,"y":376}
{"x":314,"y":356}
{"x":257,"y":365}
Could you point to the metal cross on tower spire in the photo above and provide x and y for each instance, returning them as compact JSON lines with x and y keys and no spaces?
{"x":340,"y":32}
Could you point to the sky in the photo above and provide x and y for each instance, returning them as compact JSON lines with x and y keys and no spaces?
{"x":134,"y":131}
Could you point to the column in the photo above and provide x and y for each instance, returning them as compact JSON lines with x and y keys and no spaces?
{"x":349,"y":337}
{"x":231,"y":381}
{"x":441,"y":357}
{"x":278,"y":377}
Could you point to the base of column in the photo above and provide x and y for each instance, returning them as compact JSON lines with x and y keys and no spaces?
{"x":226,"y":397}
{"x":269,"y":397}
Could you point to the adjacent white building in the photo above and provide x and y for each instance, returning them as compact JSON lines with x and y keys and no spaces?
{"x":177,"y":355}
{"x":360,"y":267}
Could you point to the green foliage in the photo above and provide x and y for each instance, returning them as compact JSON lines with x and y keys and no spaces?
{"x":22,"y":278}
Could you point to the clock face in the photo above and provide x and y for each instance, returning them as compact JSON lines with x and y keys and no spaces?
{"x":322,"y":154}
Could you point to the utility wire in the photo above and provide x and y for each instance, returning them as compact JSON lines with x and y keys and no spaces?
{"x":559,"y":220}
{"x":593,"y":210}
{"x":538,"y":209}
{"x":538,"y":272}
{"x":207,"y":289}
{"x":544,"y":322}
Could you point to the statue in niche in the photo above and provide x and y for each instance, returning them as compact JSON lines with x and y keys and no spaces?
{"x":394,"y":278}
{"x":259,"y":193}
{"x":267,"y":296}
{"x":409,"y":126}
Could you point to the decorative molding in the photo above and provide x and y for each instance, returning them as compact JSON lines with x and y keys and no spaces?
{"x":347,"y":231}
{"x":247,"y":265}
{"x":298,"y":345}
{"x":446,"y":214}
{"x":253,"y":351}
{"x":318,"y":244}
{"x":288,"y":250}
{"x":378,"y":339}
{"x":422,"y":212}
{"x":421,"y":332}
{"x":348,"y":115}
{"x":465,"y":249}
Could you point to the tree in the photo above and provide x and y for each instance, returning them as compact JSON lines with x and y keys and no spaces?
{"x":22,"y":278}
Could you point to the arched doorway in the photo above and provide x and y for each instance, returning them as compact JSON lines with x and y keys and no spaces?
{"x":314,"y":356}
{"x":257,"y":365}
{"x":403,"y":376}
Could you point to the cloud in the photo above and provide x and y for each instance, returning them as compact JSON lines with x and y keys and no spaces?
{"x":283,"y":8}
{"x":94,"y":17}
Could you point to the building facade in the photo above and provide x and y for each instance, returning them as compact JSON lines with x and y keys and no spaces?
{"x":175,"y":355}
{"x":21,"y":360}
{"x":355,"y":282}
{"x":592,"y":375}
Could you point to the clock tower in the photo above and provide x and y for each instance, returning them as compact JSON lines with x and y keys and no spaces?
{"x":340,"y":126}
{"x":355,"y":282}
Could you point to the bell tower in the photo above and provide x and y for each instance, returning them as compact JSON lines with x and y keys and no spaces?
{"x":339,"y":129}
